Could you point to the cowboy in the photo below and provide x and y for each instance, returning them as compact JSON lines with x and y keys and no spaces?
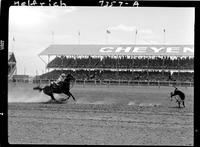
{"x":179,"y":96}
{"x":59,"y":81}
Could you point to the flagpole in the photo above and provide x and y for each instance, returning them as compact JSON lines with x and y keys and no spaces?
{"x":135,"y":35}
{"x":164,"y":37}
{"x":79,"y":37}
{"x":106,"y":41}
{"x":52,"y":37}
{"x":106,"y":38}
{"x":24,"y":70}
{"x":107,"y":32}
{"x":13,"y":41}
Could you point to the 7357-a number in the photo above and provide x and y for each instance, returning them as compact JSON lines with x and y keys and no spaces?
{"x":118,"y":3}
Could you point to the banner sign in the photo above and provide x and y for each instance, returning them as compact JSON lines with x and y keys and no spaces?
{"x":147,"y":50}
{"x":115,"y":50}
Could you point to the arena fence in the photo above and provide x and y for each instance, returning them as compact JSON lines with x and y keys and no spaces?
{"x":109,"y":82}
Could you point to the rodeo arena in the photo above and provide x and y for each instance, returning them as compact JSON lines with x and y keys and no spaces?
{"x":111,"y":95}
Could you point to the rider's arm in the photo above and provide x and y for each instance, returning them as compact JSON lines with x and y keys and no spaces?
{"x":60,"y":79}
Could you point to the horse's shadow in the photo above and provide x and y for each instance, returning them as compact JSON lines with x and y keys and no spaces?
{"x":58,"y":101}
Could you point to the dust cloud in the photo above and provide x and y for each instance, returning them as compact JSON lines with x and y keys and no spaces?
{"x":24,"y":93}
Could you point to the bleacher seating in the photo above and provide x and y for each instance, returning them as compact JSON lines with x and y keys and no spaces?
{"x":145,"y":68}
{"x":122,"y":75}
{"x":123,"y":63}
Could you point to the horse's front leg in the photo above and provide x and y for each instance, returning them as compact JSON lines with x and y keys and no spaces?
{"x":72,"y":96}
{"x":179,"y":104}
{"x":52,"y":97}
{"x":69,"y":95}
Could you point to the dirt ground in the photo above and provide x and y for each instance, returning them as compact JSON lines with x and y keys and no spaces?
{"x":101,"y":116}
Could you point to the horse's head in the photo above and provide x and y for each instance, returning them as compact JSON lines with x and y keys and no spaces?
{"x":70,"y":77}
{"x":175,"y":88}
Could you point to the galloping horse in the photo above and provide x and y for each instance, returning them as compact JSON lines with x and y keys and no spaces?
{"x":64,"y":88}
{"x":179,"y":96}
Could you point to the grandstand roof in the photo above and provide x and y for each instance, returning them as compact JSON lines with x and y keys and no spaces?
{"x":113,"y":50}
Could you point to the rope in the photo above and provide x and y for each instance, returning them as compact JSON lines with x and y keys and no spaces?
{"x":72,"y":85}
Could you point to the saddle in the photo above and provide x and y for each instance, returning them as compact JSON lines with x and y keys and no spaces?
{"x":55,"y":86}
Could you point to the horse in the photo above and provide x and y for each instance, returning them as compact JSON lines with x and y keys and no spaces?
{"x":179,"y":96}
{"x":63,"y":88}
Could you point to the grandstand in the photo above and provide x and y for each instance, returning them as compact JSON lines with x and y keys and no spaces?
{"x":121,"y":62}
{"x":12,"y":68}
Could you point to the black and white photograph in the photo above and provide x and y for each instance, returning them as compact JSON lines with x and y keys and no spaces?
{"x":91,"y":75}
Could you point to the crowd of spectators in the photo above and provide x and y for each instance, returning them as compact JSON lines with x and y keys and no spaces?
{"x":123,"y":62}
{"x":122,"y":75}
{"x":147,"y":68}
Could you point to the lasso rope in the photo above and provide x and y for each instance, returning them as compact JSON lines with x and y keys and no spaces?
{"x":72,"y":85}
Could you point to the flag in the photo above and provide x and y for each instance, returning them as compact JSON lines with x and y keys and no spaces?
{"x":107,"y":31}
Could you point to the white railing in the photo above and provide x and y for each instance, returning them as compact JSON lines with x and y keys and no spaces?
{"x":122,"y":82}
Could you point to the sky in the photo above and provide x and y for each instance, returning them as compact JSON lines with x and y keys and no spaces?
{"x":33,"y":29}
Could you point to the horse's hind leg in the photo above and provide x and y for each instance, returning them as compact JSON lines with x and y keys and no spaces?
{"x":179,"y":104}
{"x":48,"y":92}
{"x":52,"y":97}
{"x":183,"y":103}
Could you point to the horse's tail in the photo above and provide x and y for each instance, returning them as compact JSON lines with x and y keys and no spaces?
{"x":38,"y":88}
